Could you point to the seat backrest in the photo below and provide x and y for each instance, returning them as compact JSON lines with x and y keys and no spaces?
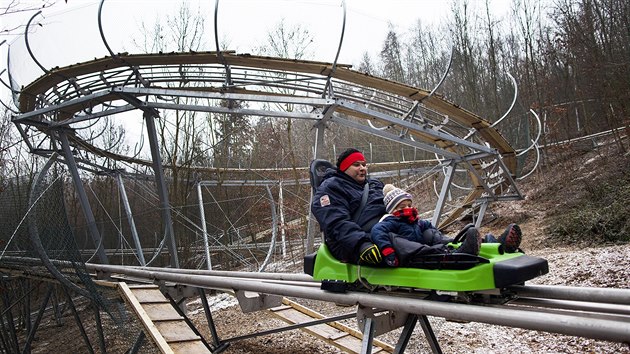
{"x":317,"y":171}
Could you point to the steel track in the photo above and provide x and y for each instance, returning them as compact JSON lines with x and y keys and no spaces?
{"x":597,"y":313}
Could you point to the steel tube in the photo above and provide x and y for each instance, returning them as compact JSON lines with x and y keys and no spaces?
{"x":394,"y":137}
{"x":161,"y":188}
{"x":132,"y":224}
{"x":239,"y":111}
{"x":85,"y":204}
{"x":605,"y":295}
{"x":220,"y":273}
{"x":574,"y":305}
{"x":438,"y":135}
{"x":446,"y":185}
{"x":298,"y":100}
{"x":574,"y":325}
{"x":202,"y":216}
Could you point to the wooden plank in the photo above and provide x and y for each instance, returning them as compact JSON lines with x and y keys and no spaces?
{"x":189,"y":347}
{"x":295,"y":316}
{"x":142,"y":286}
{"x":302,"y":309}
{"x":149,"y":326}
{"x":337,"y":325}
{"x":149,"y":295}
{"x":176,"y":331}
{"x":326,"y":332}
{"x":161,"y":312}
{"x":105,"y":283}
{"x":354,"y":344}
{"x":340,"y":335}
{"x":280,"y":308}
{"x":334,"y":333}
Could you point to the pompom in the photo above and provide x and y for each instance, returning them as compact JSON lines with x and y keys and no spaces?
{"x":388,"y":188}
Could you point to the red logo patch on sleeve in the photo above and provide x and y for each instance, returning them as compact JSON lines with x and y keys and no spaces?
{"x":324,"y":200}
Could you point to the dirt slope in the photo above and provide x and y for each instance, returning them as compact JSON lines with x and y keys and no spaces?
{"x":558,"y":188}
{"x":569,"y":180}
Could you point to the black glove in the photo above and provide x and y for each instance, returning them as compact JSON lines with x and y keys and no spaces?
{"x":389,"y":255}
{"x":369,"y":254}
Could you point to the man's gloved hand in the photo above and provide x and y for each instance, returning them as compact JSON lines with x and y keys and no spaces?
{"x":369,"y":254}
{"x":390,"y":257}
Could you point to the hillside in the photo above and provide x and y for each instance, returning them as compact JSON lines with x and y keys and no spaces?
{"x":574,"y":208}
{"x":577,"y":198}
{"x":575,"y":189}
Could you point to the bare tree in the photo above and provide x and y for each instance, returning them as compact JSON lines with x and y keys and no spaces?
{"x":16,"y":7}
{"x":426,"y":55}
{"x":463,"y":34}
{"x":391,"y":57}
{"x":288,"y":41}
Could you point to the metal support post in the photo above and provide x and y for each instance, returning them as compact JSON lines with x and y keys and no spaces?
{"x":319,"y":141}
{"x":161,"y":188}
{"x":27,"y":305}
{"x":482,"y":212}
{"x":283,"y":233}
{"x":78,"y":320}
{"x":202,"y":215}
{"x":446,"y":185}
{"x":206,"y":308}
{"x":40,"y":313}
{"x":56,"y":310}
{"x":85,"y":204}
{"x":428,"y":332}
{"x":137,"y":344}
{"x":8,"y":326}
{"x":99,"y":327}
{"x":368,"y":336}
{"x":4,"y":343}
{"x":406,"y":333}
{"x":181,"y":312}
{"x":132,"y":224}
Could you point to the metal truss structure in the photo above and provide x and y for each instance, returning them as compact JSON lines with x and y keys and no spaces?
{"x":55,"y":109}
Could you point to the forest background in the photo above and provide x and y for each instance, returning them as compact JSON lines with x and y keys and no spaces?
{"x":570,"y":58}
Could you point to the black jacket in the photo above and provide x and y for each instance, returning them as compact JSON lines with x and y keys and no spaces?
{"x":333,"y":205}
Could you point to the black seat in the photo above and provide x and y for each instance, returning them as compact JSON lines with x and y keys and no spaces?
{"x":317,"y":171}
{"x":452,"y":261}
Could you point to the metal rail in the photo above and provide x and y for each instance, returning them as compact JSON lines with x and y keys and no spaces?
{"x":606,"y":326}
{"x":603,"y":295}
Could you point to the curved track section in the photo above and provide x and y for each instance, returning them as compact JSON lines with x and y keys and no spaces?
{"x":66,"y":99}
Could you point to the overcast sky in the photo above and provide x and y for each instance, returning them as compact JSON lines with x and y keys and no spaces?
{"x":69,"y":31}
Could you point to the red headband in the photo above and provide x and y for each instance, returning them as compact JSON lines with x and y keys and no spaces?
{"x":352,"y":158}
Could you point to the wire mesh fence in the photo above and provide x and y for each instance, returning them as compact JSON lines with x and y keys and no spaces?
{"x":42,"y":242}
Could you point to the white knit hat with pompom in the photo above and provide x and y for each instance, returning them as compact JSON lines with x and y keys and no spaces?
{"x":393,"y":197}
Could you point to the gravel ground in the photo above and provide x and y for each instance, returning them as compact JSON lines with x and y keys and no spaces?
{"x":580,"y":265}
{"x":593,"y":267}
{"x":574,"y":265}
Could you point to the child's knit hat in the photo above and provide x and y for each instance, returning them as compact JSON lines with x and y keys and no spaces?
{"x":393,"y":197}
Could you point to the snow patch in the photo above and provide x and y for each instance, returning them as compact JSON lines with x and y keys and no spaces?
{"x":216,"y":302}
